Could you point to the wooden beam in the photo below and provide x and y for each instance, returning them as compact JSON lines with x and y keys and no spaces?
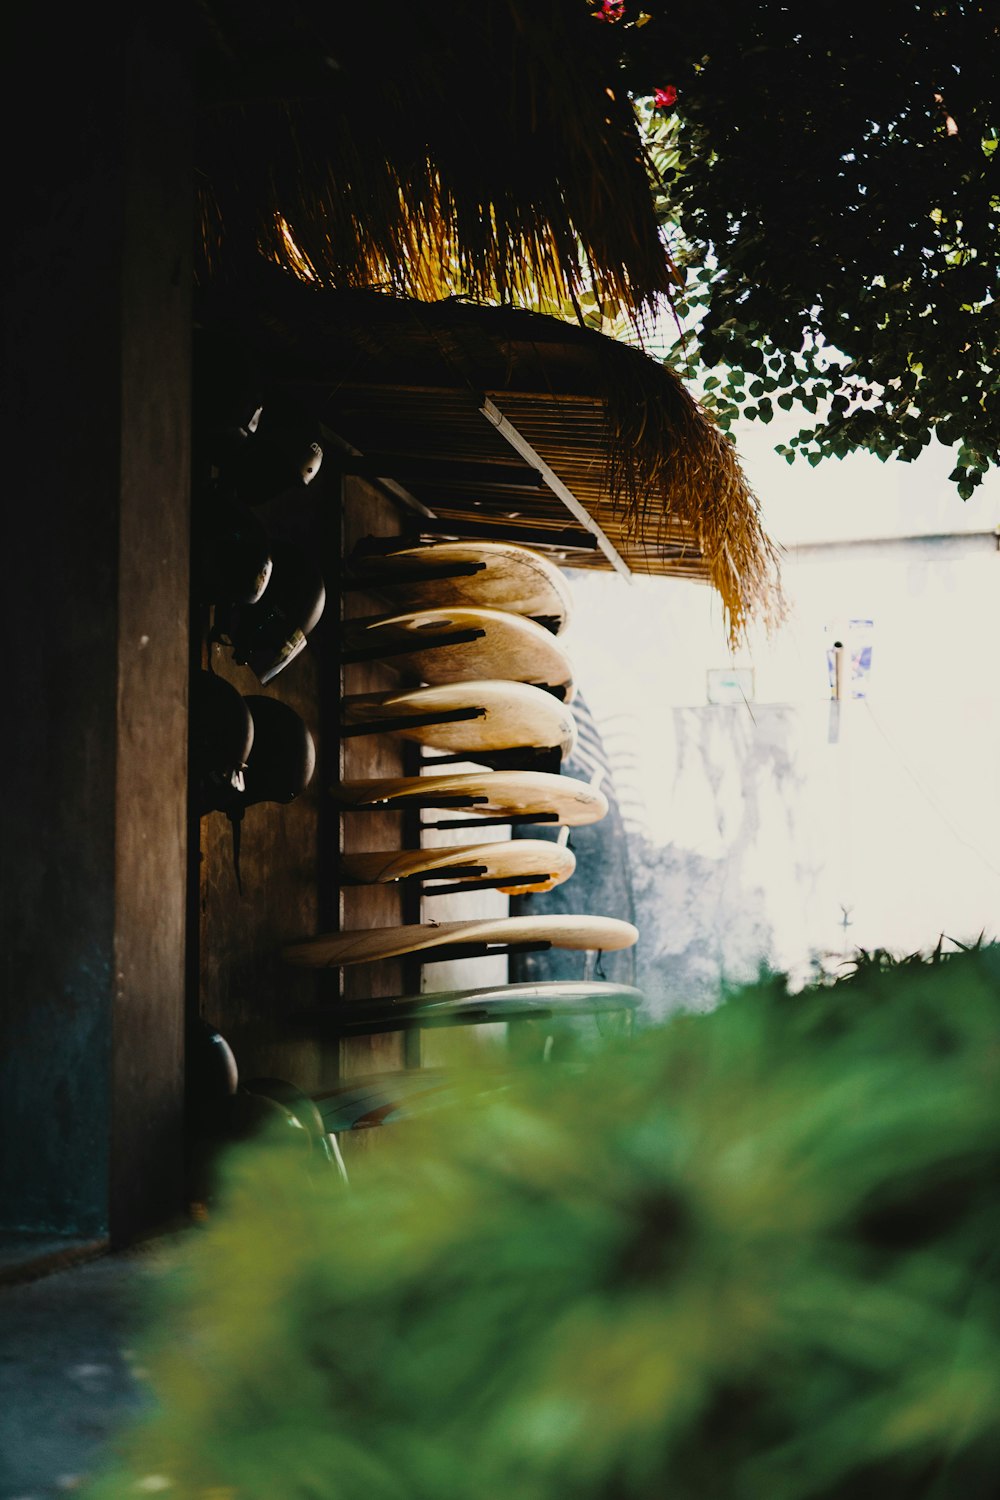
{"x":506,"y":531}
{"x":344,"y":449}
{"x":520,"y":444}
{"x":436,"y":469}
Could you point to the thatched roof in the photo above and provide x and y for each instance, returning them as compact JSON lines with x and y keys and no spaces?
{"x":482,"y":145}
{"x":406,"y":384}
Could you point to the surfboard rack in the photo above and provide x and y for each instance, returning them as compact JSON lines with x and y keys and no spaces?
{"x":411,"y":721}
{"x":333,"y":1023}
{"x":457,"y":950}
{"x":484,"y":531}
{"x":512,"y":758}
{"x":407,"y":468}
{"x":426,"y":643}
{"x":476,"y":950}
{"x":385,"y":546}
{"x":372,"y":583}
{"x":494,"y":883}
{"x":543,"y":1002}
{"x":338,"y":1022}
{"x":470,"y":870}
{"x":514,"y":820}
{"x":395,"y":804}
{"x":458,"y":878}
{"x":459,"y":803}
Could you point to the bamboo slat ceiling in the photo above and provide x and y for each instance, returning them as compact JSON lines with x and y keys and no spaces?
{"x":402,"y":389}
{"x":440,"y":447}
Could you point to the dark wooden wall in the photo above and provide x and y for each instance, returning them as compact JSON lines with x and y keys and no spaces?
{"x":368,"y":512}
{"x":96,"y":401}
{"x":289,"y":858}
{"x":97,"y":882}
{"x":120,"y":919}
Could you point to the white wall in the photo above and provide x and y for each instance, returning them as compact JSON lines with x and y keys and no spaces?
{"x":754,"y":828}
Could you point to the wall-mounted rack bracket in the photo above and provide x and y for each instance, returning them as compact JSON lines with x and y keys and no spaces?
{"x":513,"y":758}
{"x":476,"y":950}
{"x":494,"y":883}
{"x":505,"y":531}
{"x":501,"y":820}
{"x":410,"y":721}
{"x":373,"y":583}
{"x":425,"y":643}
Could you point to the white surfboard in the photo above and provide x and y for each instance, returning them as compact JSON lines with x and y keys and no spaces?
{"x":520,"y":794}
{"x":547,"y":1000}
{"x":507,"y":577}
{"x":332,"y":949}
{"x":507,"y":646}
{"x":507,"y":715}
{"x":510,"y":859}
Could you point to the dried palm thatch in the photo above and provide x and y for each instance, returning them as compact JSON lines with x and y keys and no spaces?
{"x":617,"y":427}
{"x":480,"y":146}
{"x":669,"y":465}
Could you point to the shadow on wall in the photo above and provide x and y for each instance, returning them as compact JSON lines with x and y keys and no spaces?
{"x":601,"y":884}
{"x":738,"y":889}
{"x":700,"y":928}
{"x":749,"y":879}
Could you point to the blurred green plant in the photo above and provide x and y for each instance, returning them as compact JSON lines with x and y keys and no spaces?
{"x":750,"y":1254}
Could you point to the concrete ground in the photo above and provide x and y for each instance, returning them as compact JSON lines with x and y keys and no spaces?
{"x":68,"y":1378}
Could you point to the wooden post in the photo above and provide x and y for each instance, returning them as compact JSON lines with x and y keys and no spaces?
{"x":97,"y":306}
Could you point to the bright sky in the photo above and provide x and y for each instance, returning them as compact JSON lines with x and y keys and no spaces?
{"x":859,"y":496}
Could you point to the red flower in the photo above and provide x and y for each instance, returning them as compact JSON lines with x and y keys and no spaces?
{"x":665,"y":98}
{"x":611,"y":10}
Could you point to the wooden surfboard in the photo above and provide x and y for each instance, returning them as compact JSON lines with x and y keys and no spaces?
{"x":365,"y":945}
{"x":498,"y":1003}
{"x":508,"y":715}
{"x":507,"y":646}
{"x":506,"y":576}
{"x":512,"y":859}
{"x":505,"y":794}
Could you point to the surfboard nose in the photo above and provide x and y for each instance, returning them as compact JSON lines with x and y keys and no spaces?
{"x":502,"y":796}
{"x":431,"y":942}
{"x":480,"y":716}
{"x":491,"y":574}
{"x":463,"y":644}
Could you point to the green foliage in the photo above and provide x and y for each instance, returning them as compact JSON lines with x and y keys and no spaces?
{"x":830,"y":176}
{"x":751,"y":1254}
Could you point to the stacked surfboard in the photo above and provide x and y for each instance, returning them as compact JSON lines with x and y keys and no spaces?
{"x":477,"y":627}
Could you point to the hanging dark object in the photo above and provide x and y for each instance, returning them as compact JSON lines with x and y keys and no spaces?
{"x":269,"y":634}
{"x":285,"y":455}
{"x":283,"y":758}
{"x":222,"y":734}
{"x":279,"y":765}
{"x":249,"y":1115}
{"x":306,"y":1111}
{"x":212,"y":1076}
{"x":227,"y":398}
{"x":230,"y":551}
